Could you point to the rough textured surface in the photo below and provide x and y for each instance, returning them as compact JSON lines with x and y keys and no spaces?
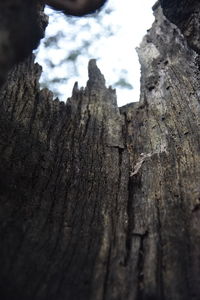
{"x":186,"y":15}
{"x":97,"y":202}
{"x":164,"y":138}
{"x":67,"y":190}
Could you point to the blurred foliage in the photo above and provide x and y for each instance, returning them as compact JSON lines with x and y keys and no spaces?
{"x":73,"y":39}
{"x":122,"y":83}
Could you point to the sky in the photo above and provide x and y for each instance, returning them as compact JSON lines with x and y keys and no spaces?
{"x":116,"y":55}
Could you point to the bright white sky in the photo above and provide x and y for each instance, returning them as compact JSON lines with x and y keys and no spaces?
{"x":130,"y":19}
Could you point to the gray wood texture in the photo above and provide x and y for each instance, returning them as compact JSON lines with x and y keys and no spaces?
{"x":99,"y":202}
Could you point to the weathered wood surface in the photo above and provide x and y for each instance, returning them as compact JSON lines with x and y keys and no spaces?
{"x":185,"y":14}
{"x":99,"y":202}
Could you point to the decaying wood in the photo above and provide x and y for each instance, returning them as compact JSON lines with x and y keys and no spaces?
{"x":185,"y":14}
{"x":98,"y":202}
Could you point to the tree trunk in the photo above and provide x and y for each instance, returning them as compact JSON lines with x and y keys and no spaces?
{"x":100,"y":202}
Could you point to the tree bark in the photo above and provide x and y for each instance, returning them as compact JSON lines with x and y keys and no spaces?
{"x":185,"y":14}
{"x":100,"y":202}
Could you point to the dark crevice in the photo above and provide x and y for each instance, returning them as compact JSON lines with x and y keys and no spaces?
{"x":130,"y":215}
{"x":140,"y":268}
{"x":131,"y":180}
{"x":159,"y":273}
{"x":106,"y":280}
{"x":120,"y":151}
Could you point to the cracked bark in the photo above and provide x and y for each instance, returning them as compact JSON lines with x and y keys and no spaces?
{"x":98,"y":202}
